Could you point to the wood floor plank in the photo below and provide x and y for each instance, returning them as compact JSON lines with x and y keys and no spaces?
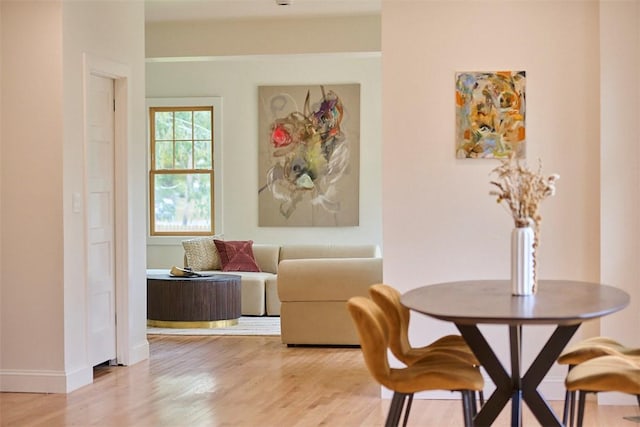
{"x":242,"y":381}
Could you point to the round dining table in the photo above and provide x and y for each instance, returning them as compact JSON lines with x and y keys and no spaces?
{"x":563,"y":303}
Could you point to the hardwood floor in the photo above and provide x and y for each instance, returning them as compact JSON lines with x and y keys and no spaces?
{"x":242,"y":381}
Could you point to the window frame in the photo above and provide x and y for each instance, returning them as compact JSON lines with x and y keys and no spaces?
{"x":216,"y":188}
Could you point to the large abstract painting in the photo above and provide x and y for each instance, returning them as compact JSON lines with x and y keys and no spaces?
{"x":490,"y":114}
{"x":309,"y":155}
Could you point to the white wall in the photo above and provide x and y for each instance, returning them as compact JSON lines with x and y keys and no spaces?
{"x":44,"y":312}
{"x":450,"y":229}
{"x":236,"y":80}
{"x":113,"y":32}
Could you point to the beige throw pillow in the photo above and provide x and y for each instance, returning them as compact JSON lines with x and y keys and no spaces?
{"x":201,"y":253}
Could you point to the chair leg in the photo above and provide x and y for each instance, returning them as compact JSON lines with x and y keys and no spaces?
{"x":467,"y":410}
{"x":568,"y":402}
{"x":480,"y":394}
{"x":638,"y":397}
{"x":407,"y":409}
{"x":474,"y":404}
{"x":565,"y":410}
{"x":572,"y":408}
{"x":395,"y":410}
{"x":581,"y":399}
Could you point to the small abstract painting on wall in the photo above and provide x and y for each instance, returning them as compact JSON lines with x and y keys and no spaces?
{"x":309,"y":155}
{"x":490,"y":114}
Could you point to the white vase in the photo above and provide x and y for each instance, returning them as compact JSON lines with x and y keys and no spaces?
{"x":522,"y":261}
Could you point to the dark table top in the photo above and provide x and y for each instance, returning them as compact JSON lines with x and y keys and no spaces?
{"x":557,"y":302}
{"x":212,"y":278}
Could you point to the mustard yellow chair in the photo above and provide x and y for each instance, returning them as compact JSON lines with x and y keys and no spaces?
{"x":583,"y":351}
{"x":436,"y":371}
{"x":388,"y":299}
{"x":604,"y":373}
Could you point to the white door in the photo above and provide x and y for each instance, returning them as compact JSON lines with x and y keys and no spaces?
{"x":100,"y":220}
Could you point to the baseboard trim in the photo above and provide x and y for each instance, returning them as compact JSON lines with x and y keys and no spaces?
{"x":137,"y":353}
{"x":79,"y":378}
{"x":615,"y":398}
{"x":20,"y":381}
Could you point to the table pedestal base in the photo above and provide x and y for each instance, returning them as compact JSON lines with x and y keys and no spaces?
{"x":516,"y":387}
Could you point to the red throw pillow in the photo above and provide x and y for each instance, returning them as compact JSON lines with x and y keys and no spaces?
{"x":236,"y":255}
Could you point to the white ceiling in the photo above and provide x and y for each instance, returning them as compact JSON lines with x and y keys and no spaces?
{"x":188,"y":10}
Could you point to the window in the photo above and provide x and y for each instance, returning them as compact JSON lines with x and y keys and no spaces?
{"x":181,"y":175}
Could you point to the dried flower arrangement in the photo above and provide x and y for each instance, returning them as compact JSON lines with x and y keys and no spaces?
{"x":522,"y":190}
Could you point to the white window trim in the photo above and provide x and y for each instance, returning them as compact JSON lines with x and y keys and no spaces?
{"x":216,"y":102}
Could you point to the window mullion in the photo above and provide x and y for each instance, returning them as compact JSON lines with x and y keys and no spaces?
{"x":173,"y":141}
{"x":193,"y":137}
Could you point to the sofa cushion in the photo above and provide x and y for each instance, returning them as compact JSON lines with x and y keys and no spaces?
{"x":201,"y":253}
{"x":317,"y":323}
{"x":271,"y":293}
{"x":236,"y":255}
{"x":253,"y":292}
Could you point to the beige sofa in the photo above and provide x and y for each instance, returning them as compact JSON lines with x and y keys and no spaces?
{"x":308,"y":286}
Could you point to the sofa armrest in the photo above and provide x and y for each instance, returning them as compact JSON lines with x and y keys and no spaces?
{"x":327,"y":279}
{"x":267,"y":257}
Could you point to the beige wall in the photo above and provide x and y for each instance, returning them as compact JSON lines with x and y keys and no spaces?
{"x":1,"y":139}
{"x":32,"y":311}
{"x":449,"y":228}
{"x":263,"y":37}
{"x":619,"y":166}
{"x":44,"y":312}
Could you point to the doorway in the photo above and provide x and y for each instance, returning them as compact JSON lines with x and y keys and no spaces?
{"x":107,"y":218}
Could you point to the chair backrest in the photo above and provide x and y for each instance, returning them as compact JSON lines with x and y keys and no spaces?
{"x":374,"y":336}
{"x":397,"y":315}
{"x":593,"y":347}
{"x":606,"y":373}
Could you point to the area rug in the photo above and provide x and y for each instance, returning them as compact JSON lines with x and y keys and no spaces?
{"x":262,"y":325}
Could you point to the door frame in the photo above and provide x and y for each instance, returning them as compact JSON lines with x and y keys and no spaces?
{"x":121,"y":75}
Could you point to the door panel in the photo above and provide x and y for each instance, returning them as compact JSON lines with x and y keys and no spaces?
{"x":100,"y":221}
